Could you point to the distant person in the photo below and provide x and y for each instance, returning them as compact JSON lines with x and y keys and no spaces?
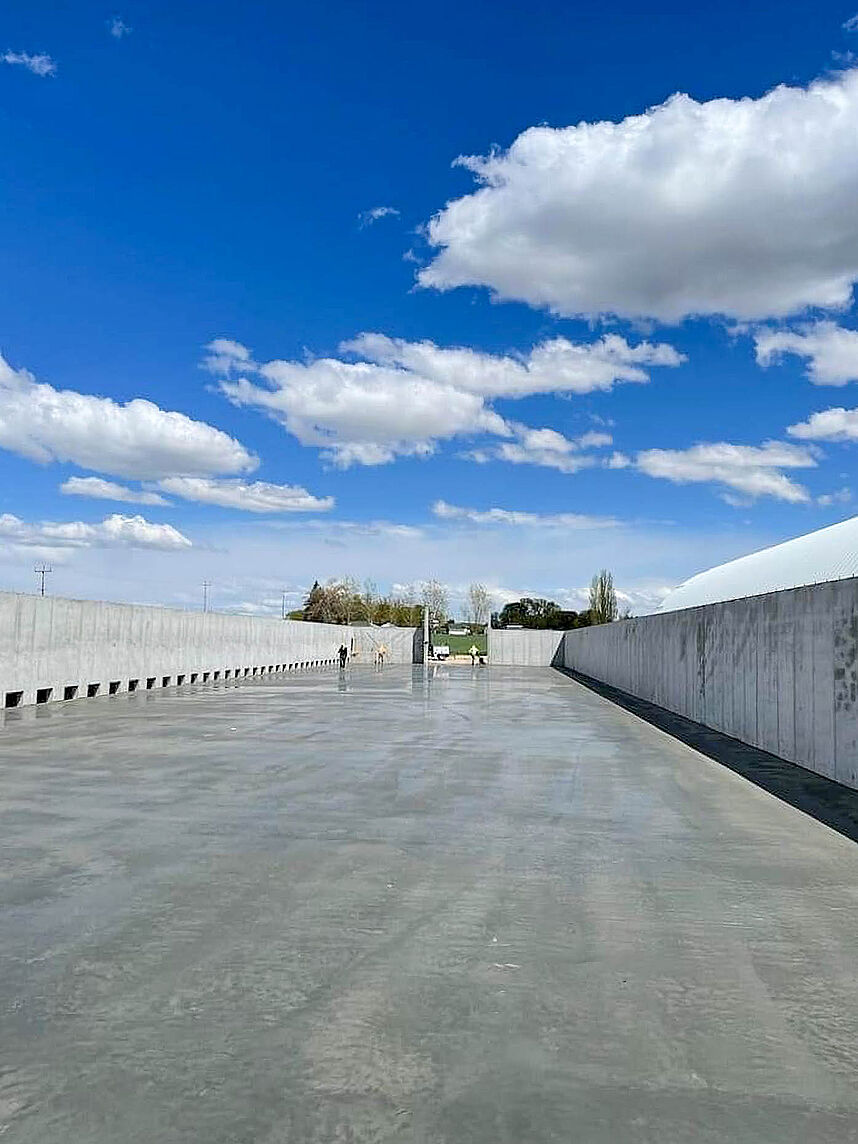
{"x":473,"y":652}
{"x":381,"y":653}
{"x":343,"y":653}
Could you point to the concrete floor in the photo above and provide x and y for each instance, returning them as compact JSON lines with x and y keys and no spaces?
{"x":491,"y":907}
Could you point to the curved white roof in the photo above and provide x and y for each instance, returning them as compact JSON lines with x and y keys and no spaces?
{"x":829,"y":554}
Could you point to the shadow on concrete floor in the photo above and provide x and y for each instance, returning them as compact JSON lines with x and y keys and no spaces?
{"x":825,"y":800}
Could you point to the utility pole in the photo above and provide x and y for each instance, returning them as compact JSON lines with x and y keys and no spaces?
{"x":283,"y":604}
{"x":41,"y":571}
{"x":206,"y":585}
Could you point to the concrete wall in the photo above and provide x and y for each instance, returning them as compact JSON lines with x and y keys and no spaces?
{"x":778,"y":671}
{"x":52,"y":645}
{"x":400,"y":644}
{"x":525,"y":648}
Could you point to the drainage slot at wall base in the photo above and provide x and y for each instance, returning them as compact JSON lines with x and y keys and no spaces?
{"x":70,"y":692}
{"x":43,"y":694}
{"x":92,"y":689}
{"x":150,"y":682}
{"x":13,"y":699}
{"x":113,"y":686}
{"x":133,"y":684}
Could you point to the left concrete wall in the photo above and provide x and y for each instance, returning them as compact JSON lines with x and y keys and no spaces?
{"x":52,"y":648}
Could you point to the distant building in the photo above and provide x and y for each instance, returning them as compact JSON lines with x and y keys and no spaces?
{"x":829,"y":554}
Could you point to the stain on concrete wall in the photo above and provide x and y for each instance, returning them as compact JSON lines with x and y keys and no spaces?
{"x":778,"y":671}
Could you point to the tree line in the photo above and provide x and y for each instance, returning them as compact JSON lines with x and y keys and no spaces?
{"x":537,"y":612}
{"x":345,"y":601}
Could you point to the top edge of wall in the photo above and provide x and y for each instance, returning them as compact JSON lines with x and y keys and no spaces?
{"x":189,"y":611}
{"x":719,"y":603}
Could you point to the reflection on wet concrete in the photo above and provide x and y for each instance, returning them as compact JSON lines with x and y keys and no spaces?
{"x":439,"y":906}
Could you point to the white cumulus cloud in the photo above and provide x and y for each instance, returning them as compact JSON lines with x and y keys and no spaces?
{"x":367,"y":218}
{"x":742,"y":207}
{"x":544,"y":447}
{"x":401,"y":398}
{"x":138,"y":439}
{"x":39,"y":64}
{"x":256,"y":496}
{"x":554,"y":366}
{"x":831,"y":350}
{"x":835,"y":424}
{"x":114,"y":531}
{"x":754,"y":471}
{"x":108,"y":490}
{"x":564,"y":520}
{"x":842,"y":496}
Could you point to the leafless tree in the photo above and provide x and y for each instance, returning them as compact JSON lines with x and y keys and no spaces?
{"x":351,"y":603}
{"x":435,"y":599}
{"x":603,"y":598}
{"x":479,"y":604}
{"x":370,"y":599}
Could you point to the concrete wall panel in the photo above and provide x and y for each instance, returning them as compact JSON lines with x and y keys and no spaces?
{"x":778,"y":671}
{"x":50,"y":645}
{"x":524,"y":648}
{"x":398,"y":641}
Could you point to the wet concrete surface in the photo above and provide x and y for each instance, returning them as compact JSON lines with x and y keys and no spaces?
{"x":489,"y":906}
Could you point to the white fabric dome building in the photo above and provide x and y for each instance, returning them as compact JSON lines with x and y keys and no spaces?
{"x":829,"y":554}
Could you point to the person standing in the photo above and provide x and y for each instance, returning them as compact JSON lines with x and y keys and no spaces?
{"x":473,"y":652}
{"x":343,"y":653}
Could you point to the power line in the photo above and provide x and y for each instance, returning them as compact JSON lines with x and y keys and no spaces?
{"x":41,"y":571}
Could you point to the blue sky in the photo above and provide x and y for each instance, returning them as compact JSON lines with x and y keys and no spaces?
{"x":679,"y":282}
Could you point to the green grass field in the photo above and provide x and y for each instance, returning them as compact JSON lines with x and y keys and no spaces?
{"x":459,"y":645}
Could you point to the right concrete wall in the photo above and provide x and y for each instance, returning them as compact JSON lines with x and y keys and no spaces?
{"x":777,"y":671}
